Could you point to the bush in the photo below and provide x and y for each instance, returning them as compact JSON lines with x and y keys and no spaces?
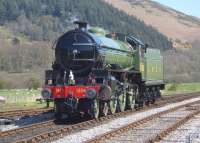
{"x":33,"y":83}
{"x":173,"y":87}
{"x":3,"y":84}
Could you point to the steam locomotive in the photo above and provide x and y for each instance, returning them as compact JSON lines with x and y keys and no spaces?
{"x":97,"y":73}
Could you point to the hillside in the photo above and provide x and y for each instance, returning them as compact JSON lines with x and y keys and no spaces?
{"x":29,"y":27}
{"x":47,"y":19}
{"x":170,"y":22}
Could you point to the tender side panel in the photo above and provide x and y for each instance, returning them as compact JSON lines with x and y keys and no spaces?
{"x":154,"y":65}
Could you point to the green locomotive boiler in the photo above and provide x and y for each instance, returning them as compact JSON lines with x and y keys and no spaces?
{"x":97,"y":73}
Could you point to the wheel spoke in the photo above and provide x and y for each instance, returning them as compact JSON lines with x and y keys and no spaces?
{"x":104,"y":109}
{"x":95,"y":109}
{"x":131,"y":102}
{"x":113,"y":106}
{"x":122,"y":102}
{"x":153,"y":96}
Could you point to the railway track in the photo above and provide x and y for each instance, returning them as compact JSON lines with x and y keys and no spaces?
{"x":174,"y":126}
{"x":151,"y":129}
{"x":16,"y":113}
{"x":19,"y":113}
{"x":188,"y":132}
{"x":48,"y":131}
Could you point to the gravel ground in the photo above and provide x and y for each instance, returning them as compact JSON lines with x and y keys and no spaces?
{"x":150,"y":129}
{"x":87,"y":134}
{"x":188,"y":133}
{"x":27,"y":120}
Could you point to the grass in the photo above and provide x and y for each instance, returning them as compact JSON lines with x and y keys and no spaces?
{"x":178,"y":88}
{"x":7,"y":34}
{"x":22,"y":106}
{"x":19,"y":99}
{"x":19,"y":92}
{"x":20,"y":95}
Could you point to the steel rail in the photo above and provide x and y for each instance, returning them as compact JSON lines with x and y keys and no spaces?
{"x":54,"y":133}
{"x":28,"y":112}
{"x":118,"y":131}
{"x":173,"y":127}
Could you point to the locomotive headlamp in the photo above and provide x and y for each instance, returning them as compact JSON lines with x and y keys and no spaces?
{"x":91,"y":93}
{"x":50,"y":82}
{"x":46,"y":93}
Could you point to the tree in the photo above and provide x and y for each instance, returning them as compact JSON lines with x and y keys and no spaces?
{"x":41,"y":19}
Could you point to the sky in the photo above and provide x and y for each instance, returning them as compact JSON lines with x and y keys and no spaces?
{"x":190,"y":7}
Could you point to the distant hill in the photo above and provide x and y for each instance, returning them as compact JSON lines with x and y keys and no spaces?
{"x":42,"y":20}
{"x":172,"y":23}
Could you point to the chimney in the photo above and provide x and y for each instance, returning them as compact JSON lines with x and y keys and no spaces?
{"x":81,"y":25}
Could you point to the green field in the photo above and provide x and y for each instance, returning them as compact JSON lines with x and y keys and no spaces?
{"x":20,"y":95}
{"x":19,"y":92}
{"x":177,"y":88}
{"x":17,"y":99}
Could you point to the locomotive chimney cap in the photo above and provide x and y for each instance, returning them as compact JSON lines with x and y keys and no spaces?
{"x":81,"y":24}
